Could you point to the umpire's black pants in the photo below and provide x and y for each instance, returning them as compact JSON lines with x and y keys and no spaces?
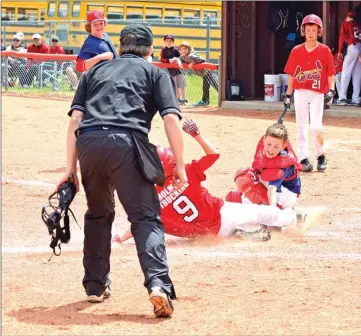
{"x":108,"y":162}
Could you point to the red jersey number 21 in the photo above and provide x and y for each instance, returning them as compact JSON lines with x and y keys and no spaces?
{"x":183,"y":205}
{"x":316,"y":84}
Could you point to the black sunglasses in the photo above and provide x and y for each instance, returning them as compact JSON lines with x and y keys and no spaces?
{"x":54,"y":41}
{"x":16,"y":40}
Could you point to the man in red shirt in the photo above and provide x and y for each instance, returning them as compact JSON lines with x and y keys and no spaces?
{"x":192,"y":211}
{"x":350,"y":33}
{"x":32,"y":67}
{"x":312,"y":75}
{"x":55,"y":47}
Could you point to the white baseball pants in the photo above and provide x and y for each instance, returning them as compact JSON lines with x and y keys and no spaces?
{"x":351,"y":68}
{"x":309,"y":105}
{"x":249,"y":217}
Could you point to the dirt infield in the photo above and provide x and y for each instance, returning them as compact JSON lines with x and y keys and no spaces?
{"x":292,"y":285}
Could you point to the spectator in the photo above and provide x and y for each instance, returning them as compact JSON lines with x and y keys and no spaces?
{"x":32,"y":67}
{"x":2,"y":45}
{"x":190,"y":57}
{"x":350,"y":34}
{"x":97,"y":47}
{"x":23,"y":44}
{"x":55,"y":47}
{"x":170,"y":54}
{"x":15,"y":64}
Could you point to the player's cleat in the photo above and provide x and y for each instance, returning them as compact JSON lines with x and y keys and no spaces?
{"x":321,"y":163}
{"x":257,"y":235}
{"x":301,"y":217}
{"x":342,"y":102}
{"x":161,"y":302}
{"x":307,"y":167}
{"x":201,"y":103}
{"x":97,"y":299}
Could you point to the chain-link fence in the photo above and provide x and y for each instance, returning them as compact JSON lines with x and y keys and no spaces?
{"x":56,"y":75}
{"x":204,"y":35}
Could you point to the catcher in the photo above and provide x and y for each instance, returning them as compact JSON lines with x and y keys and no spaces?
{"x":192,"y":211}
{"x":274,"y":176}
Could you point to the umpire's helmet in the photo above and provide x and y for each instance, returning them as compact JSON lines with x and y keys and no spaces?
{"x":312,"y":19}
{"x":167,"y":158}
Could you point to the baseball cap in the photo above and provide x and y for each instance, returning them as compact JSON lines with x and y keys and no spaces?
{"x":20,"y":34}
{"x":17,"y":36}
{"x":143,"y":34}
{"x":56,"y":38}
{"x":351,"y":14}
{"x":94,"y":16}
{"x":168,"y":37}
{"x":36,"y":36}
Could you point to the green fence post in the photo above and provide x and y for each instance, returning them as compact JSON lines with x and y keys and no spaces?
{"x":208,"y":38}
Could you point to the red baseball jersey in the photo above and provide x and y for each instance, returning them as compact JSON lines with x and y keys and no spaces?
{"x":191,"y":210}
{"x":310,"y":70}
{"x":350,"y":32}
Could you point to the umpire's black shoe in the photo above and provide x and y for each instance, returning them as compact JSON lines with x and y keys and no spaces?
{"x":321,"y":163}
{"x":161,"y":302}
{"x":307,"y":167}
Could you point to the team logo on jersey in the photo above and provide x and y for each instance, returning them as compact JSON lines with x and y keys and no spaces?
{"x":169,"y":194}
{"x":313,"y":74}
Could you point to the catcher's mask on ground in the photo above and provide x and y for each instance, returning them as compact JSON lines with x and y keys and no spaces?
{"x":58,"y":207}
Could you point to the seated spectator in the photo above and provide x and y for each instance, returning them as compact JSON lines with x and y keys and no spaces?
{"x":23,"y":44}
{"x":15,"y":64}
{"x":170,"y":54}
{"x":55,"y":47}
{"x":97,"y":47}
{"x":32,"y":66}
{"x":190,"y":57}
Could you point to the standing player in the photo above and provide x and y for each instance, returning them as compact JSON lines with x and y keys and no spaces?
{"x":312,"y":75}
{"x":350,"y":33}
{"x":193,"y":211}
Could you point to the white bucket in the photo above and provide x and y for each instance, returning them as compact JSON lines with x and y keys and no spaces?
{"x":284,"y":83}
{"x":272,"y":87}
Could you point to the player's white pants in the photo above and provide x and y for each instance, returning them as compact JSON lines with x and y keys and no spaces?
{"x":249,"y":217}
{"x":308,"y":105}
{"x":338,"y":82}
{"x":351,"y":68}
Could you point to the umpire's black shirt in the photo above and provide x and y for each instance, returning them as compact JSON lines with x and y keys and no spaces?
{"x":124,"y":92}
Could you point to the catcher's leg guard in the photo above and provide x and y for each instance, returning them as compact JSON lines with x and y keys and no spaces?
{"x":234,"y":196}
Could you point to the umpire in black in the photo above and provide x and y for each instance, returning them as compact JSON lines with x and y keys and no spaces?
{"x":110,"y":118}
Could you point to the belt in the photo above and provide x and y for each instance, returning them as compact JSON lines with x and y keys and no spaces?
{"x":81,"y":131}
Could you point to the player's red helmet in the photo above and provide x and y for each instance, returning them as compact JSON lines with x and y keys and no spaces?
{"x":167,"y":158}
{"x":312,"y":19}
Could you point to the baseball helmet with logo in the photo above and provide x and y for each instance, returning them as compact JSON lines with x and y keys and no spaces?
{"x":167,"y":158}
{"x":312,"y":19}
